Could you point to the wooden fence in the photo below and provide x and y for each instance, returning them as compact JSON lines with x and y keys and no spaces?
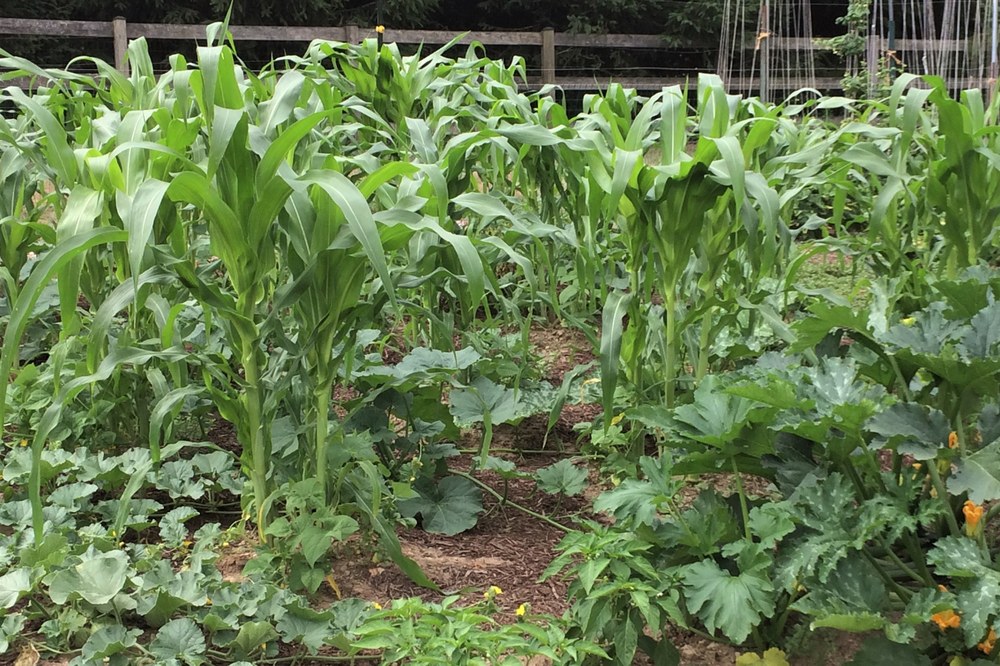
{"x":120,"y":31}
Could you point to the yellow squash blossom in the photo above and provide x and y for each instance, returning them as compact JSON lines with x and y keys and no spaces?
{"x":521,"y":610}
{"x":952,"y":439}
{"x":973,"y":514}
{"x":946,"y":619}
{"x":492,"y":591}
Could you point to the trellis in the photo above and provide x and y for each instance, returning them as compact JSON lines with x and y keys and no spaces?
{"x":763,"y":41}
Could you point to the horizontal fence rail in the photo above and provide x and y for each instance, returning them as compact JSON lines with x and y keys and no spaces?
{"x":121,"y":31}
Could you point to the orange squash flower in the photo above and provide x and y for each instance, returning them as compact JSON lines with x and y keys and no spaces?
{"x":973,"y":514}
{"x":952,"y":439}
{"x":987,"y":645}
{"x":946,"y":619}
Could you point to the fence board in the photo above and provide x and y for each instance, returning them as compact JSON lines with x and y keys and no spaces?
{"x":260,"y":33}
{"x":547,"y":40}
{"x":612,"y":41}
{"x":304,"y":34}
{"x":55,"y":28}
{"x":656,"y":83}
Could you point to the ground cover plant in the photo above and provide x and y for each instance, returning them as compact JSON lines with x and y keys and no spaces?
{"x":296,"y":313}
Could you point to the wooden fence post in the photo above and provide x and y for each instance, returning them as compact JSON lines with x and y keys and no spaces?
{"x":548,"y":56}
{"x":120,"y":33}
{"x":351,"y":36}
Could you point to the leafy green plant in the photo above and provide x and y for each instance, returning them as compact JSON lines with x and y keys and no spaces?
{"x":617,"y":592}
{"x":419,"y":632}
{"x":305,"y":534}
{"x":486,"y":402}
{"x":871,"y":528}
{"x":446,"y":506}
{"x":562,"y":477}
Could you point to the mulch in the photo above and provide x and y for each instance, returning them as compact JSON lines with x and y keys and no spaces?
{"x":507,"y":548}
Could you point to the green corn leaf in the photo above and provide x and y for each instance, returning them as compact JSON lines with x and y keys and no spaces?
{"x":140,"y":221}
{"x":279,"y":149}
{"x":132,"y":159}
{"x":469,"y":259}
{"x":118,"y":300}
{"x":83,"y":208}
{"x":359,"y":218}
{"x":166,"y":406}
{"x":562,"y":395}
{"x":223,"y":129}
{"x":57,"y":150}
{"x":612,"y":325}
{"x":279,"y":107}
{"x":732,"y":167}
{"x":43,"y":272}
{"x":368,"y":500}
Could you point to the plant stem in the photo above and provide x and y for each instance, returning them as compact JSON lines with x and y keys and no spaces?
{"x":487,"y":438}
{"x":706,"y":330}
{"x":326,"y":658}
{"x":496,"y":450}
{"x":783,"y":618}
{"x":960,"y":429}
{"x":670,"y":361}
{"x":852,"y":474}
{"x":905,"y":568}
{"x":517,"y":506}
{"x":917,"y":555}
{"x":322,"y":406}
{"x":258,"y":443}
{"x":744,"y":509}
{"x":942,"y":493}
{"x":707,"y":636}
{"x":901,"y":591}
{"x":904,"y":387}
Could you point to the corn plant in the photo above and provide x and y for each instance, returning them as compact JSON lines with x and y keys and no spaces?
{"x":329,"y":270}
{"x":687,"y":222}
{"x":963,"y":183}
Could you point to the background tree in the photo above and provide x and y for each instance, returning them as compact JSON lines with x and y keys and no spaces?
{"x":692,"y":26}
